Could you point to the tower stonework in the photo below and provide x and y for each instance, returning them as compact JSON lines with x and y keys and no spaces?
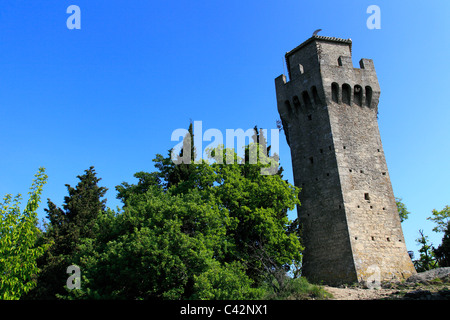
{"x":351,"y":226}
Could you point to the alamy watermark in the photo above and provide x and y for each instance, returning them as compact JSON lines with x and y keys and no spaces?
{"x":374,"y":20}
{"x":373,"y":277}
{"x":222,"y":153}
{"x":74,"y":20}
{"x":74,"y":281}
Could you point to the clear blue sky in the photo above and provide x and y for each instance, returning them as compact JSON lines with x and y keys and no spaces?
{"x":110,"y":94}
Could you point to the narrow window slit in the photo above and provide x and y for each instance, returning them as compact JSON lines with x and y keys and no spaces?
{"x":335,"y":92}
{"x":346,"y":92}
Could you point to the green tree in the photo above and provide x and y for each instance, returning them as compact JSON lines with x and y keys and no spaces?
{"x":441,"y":219}
{"x":65,"y":230}
{"x":402,"y":210}
{"x":204,"y":231}
{"x":265,"y":240}
{"x":427,"y":259}
{"x":188,"y":230}
{"x":162,"y":246}
{"x":442,"y":253}
{"x":225,"y":282}
{"x":19,"y":248}
{"x":259,"y":202}
{"x":176,"y":168}
{"x":264,"y":237}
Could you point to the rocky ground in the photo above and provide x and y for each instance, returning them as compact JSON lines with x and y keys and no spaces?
{"x":430,"y":285}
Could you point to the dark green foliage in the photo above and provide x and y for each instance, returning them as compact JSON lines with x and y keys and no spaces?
{"x":192,"y":231}
{"x":442,"y":220}
{"x":161,"y":247}
{"x":431,"y":257}
{"x":66,"y":228}
{"x":427,"y":259}
{"x":442,"y":253}
{"x":171,"y":173}
{"x":186,"y":231}
{"x":402,"y":210}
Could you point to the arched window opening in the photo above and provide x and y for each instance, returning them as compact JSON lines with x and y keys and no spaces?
{"x":296,"y":102}
{"x":306,"y":99}
{"x":315,"y":94}
{"x":346,"y":92}
{"x":335,"y":92}
{"x":358,"y":93}
{"x":288,"y":107}
{"x":368,"y":96}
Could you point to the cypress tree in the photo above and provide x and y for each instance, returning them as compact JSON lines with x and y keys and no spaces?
{"x":65,"y":229}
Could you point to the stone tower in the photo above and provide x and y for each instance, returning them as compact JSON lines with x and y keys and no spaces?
{"x":328,"y":108}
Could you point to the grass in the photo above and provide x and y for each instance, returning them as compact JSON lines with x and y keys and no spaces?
{"x":298,"y":289}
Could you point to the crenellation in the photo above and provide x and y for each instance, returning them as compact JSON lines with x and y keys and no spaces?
{"x":329,"y":113}
{"x":296,"y":71}
{"x":366,"y":64}
{"x":345,"y":62}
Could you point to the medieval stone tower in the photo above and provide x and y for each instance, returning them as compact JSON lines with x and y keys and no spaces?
{"x":328,"y":108}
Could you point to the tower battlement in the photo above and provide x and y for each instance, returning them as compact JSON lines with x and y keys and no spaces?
{"x":350,"y":221}
{"x":321,"y":70}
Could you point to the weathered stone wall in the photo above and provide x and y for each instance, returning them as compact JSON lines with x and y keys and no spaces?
{"x":352,"y":230}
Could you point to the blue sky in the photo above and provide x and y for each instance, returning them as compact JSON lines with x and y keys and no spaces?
{"x":111,"y":93}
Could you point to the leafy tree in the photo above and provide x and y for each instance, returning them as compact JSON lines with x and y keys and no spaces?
{"x":441,"y":218}
{"x":202,"y":231}
{"x":442,"y":253}
{"x":264,"y":238}
{"x":186,"y":231}
{"x":427,"y":260}
{"x":19,"y":248}
{"x":176,"y":168}
{"x":224,"y":282}
{"x":402,"y":210}
{"x":162,"y":246}
{"x":146,"y":181}
{"x":65,"y":230}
